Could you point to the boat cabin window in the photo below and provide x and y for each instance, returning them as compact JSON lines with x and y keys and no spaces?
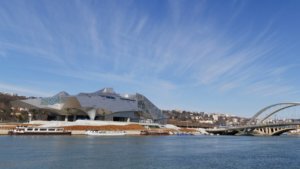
{"x":51,"y":129}
{"x":43,"y":129}
{"x":29,"y":129}
{"x":36,"y":129}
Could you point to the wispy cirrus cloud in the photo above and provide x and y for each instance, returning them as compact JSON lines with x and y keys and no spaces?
{"x":159,"y":45}
{"x":18,"y":89}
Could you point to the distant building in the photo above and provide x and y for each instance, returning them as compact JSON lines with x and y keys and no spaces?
{"x":215,"y":117}
{"x":9,"y":94}
{"x":235,"y":120}
{"x":177,"y":110}
{"x":16,"y":114}
{"x":23,"y":109}
{"x":210,"y":122}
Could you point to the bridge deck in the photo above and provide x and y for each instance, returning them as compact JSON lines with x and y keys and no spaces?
{"x":251,"y":127}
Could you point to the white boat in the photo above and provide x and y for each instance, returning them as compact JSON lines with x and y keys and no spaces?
{"x":105,"y":133}
{"x":22,"y":130}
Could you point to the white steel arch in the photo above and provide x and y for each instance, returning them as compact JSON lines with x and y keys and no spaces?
{"x":264,"y":109}
{"x":277,"y":110}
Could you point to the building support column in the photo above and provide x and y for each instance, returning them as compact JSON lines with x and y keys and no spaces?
{"x":74,"y":118}
{"x":66,"y":118}
{"x":29,"y":117}
{"x":39,"y":116}
{"x":59,"y":118}
{"x":128,"y":119}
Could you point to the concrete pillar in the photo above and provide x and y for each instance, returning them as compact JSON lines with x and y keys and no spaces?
{"x":59,"y":118}
{"x":66,"y":118}
{"x":74,"y":118}
{"x":270,"y":132}
{"x":128,"y":120}
{"x":29,"y":118}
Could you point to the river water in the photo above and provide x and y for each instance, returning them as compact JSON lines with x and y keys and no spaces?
{"x":149,"y":152}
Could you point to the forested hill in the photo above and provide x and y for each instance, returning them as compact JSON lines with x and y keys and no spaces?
{"x":5,"y":105}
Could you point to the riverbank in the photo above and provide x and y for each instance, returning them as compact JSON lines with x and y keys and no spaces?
{"x":293,"y":133}
{"x":3,"y":132}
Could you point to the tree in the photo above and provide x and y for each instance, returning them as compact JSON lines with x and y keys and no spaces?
{"x":25,"y":117}
{"x":20,"y":117}
{"x":2,"y":106}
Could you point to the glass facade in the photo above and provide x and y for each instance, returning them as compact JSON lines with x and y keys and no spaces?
{"x":142,"y":107}
{"x":145,"y":105}
{"x":50,"y":101}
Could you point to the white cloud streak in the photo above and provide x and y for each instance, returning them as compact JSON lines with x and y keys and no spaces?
{"x":17,"y":89}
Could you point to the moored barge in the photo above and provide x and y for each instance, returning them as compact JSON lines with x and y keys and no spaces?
{"x":38,"y":131}
{"x":105,"y":133}
{"x":145,"y":132}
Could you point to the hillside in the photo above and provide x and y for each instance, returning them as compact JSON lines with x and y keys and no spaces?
{"x":5,"y":107}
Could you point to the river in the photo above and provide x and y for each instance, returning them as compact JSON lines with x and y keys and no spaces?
{"x":149,"y":152}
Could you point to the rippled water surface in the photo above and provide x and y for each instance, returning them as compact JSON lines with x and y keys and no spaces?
{"x":149,"y":152}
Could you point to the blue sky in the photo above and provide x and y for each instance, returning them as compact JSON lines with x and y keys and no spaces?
{"x":233,"y":57}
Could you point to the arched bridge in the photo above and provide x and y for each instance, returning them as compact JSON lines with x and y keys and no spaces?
{"x":266,"y":129}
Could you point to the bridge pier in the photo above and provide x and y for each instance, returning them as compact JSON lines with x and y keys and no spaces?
{"x":276,"y":131}
{"x":267,"y":131}
{"x":247,"y":132}
{"x":258,"y":131}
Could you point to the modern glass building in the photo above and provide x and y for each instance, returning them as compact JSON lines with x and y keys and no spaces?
{"x":103,"y":105}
